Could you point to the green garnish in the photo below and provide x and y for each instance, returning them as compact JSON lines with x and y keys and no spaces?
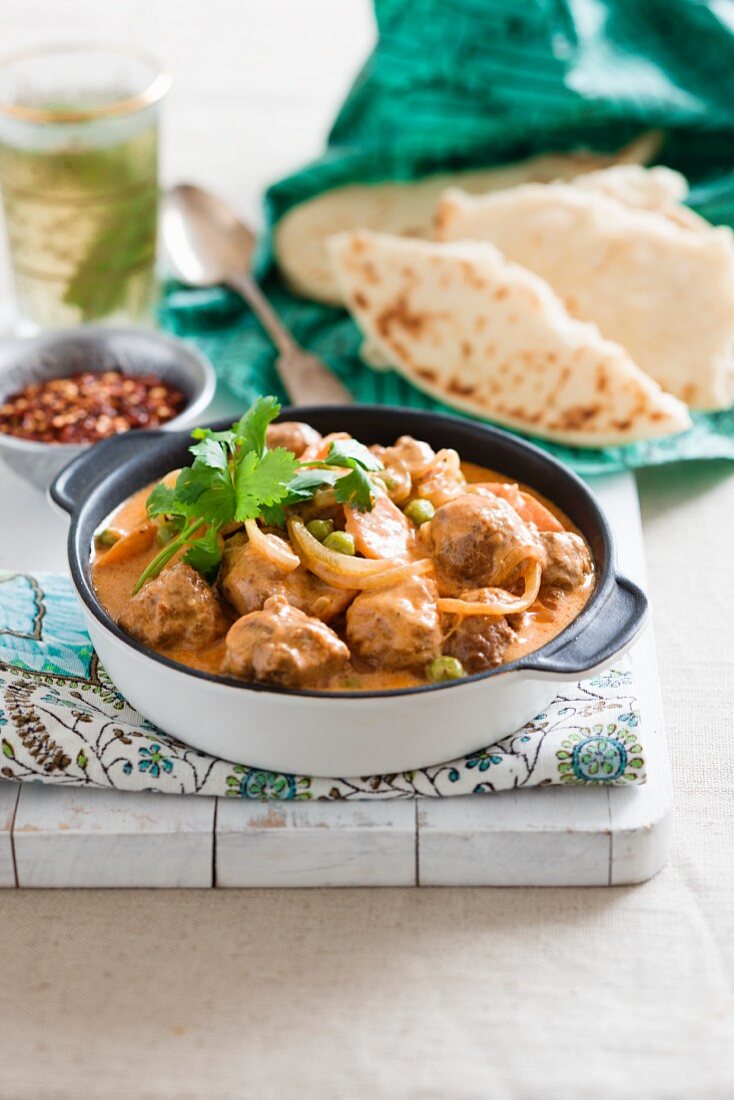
{"x":160,"y":501}
{"x":234,"y":477}
{"x":205,"y":554}
{"x":168,"y":529}
{"x":355,"y":489}
{"x":348,"y":452}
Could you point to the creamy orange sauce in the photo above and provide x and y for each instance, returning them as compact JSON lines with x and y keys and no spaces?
{"x":114,"y":585}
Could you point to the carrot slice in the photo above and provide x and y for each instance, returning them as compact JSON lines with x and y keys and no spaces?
{"x":382,"y":533}
{"x":134,"y":542}
{"x":527,"y":506}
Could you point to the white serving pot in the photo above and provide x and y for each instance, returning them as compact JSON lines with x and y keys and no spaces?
{"x":348,"y":733}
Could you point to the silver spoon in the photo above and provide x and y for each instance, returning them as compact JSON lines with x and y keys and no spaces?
{"x":205,"y":244}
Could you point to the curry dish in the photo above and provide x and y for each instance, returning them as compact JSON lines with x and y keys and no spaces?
{"x":309,"y":562}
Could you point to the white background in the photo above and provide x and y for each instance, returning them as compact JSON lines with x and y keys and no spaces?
{"x":433,"y":994}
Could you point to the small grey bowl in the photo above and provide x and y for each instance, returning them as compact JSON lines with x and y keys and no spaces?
{"x":95,"y":348}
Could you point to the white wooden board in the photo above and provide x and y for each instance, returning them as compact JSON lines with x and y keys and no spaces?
{"x":72,"y":836}
{"x":550,"y":836}
{"x":316,"y":844}
{"x":8,"y":800}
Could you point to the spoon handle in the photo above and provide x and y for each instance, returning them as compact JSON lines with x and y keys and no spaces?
{"x":305,"y":378}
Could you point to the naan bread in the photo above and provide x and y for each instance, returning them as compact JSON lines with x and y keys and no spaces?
{"x":407,"y":208}
{"x":648,"y":188}
{"x":492,"y":339}
{"x":659,"y":281}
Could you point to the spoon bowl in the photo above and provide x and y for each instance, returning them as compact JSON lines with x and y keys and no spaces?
{"x":204,"y":241}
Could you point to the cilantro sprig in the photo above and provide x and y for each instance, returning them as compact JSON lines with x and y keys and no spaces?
{"x":235,"y":477}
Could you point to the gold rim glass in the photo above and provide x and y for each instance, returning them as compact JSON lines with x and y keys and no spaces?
{"x":79,"y":180}
{"x":42,"y":85}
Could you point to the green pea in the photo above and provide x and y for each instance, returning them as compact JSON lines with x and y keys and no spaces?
{"x":341,"y":542}
{"x":168,"y":530}
{"x":420,"y":511}
{"x":320,"y":528}
{"x":107,"y":538}
{"x":444,"y":668}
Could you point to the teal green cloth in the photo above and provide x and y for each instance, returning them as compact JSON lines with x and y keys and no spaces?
{"x":469,"y":83}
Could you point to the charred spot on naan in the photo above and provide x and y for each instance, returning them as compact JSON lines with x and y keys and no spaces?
{"x":460,"y":388}
{"x":400,"y":315}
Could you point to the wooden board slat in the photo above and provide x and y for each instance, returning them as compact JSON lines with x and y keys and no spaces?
{"x":71,"y":836}
{"x":316,"y":843}
{"x":8,"y":799}
{"x":557,"y":837}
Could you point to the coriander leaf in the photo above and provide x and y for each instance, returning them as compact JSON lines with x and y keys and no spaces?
{"x":210,"y":453}
{"x":162,"y":501}
{"x":306,"y":481}
{"x":348,"y":452}
{"x":273,"y":515}
{"x":204,"y":554}
{"x":206,"y":493}
{"x":303,"y":486}
{"x":228,"y":438}
{"x":247,"y":502}
{"x":262,"y":481}
{"x":250,"y":429}
{"x":355,"y":489}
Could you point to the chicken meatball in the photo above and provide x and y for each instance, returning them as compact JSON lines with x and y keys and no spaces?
{"x":568,"y":559}
{"x":281,"y":645}
{"x":247,"y":579}
{"x":177,"y":608}
{"x":480,"y":642}
{"x":293,"y":435}
{"x":470,"y":540}
{"x":396,"y":627}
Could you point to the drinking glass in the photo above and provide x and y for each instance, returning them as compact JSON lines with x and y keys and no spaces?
{"x":79,"y":178}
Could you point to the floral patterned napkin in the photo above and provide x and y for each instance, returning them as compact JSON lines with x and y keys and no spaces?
{"x":62,"y":721}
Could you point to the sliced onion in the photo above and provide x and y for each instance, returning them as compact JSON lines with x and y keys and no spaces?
{"x":275,"y":549}
{"x":343,"y":571}
{"x":506,"y":569}
{"x":496,"y":601}
{"x":391,"y":576}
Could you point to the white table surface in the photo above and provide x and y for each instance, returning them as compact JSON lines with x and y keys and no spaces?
{"x":459,"y":993}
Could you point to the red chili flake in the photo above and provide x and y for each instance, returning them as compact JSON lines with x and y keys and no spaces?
{"x":86,"y":407}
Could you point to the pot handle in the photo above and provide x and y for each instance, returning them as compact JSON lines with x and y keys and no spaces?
{"x":619,"y":621}
{"x":75,"y":482}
